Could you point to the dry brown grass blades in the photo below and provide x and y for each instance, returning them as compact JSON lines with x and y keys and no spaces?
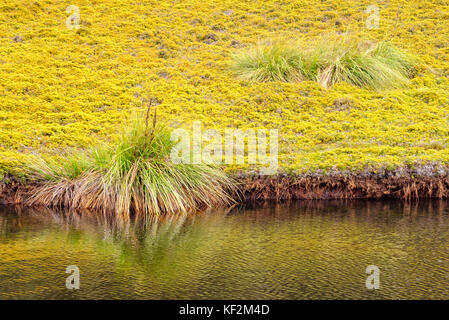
{"x":82,"y":195}
{"x":89,"y":192}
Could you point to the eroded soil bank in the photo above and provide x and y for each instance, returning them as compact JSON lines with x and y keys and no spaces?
{"x":283,"y":187}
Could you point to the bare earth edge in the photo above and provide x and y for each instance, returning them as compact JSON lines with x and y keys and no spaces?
{"x":313,"y":187}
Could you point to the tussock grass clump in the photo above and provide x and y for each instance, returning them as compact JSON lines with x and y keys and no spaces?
{"x":273,"y":61}
{"x":133,"y":176}
{"x":373,"y":65}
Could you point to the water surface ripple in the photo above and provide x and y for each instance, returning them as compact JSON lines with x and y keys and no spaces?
{"x":305,"y":250}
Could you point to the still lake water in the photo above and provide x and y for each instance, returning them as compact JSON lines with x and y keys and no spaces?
{"x":305,"y":250}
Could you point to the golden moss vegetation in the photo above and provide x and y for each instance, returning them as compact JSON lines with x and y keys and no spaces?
{"x":67,"y":89}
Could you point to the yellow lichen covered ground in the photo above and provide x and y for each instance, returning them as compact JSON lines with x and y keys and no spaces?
{"x":62,"y":88}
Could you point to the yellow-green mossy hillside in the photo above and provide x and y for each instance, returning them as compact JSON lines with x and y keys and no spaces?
{"x":64,"y":88}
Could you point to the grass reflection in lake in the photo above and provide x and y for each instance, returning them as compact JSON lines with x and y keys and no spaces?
{"x":297,"y":251}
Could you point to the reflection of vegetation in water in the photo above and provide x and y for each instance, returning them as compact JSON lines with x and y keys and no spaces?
{"x":305,"y":250}
{"x":160,"y":248}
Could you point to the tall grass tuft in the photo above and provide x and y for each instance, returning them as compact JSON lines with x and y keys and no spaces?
{"x":135,"y":176}
{"x":272,"y":61}
{"x":364,"y":64}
